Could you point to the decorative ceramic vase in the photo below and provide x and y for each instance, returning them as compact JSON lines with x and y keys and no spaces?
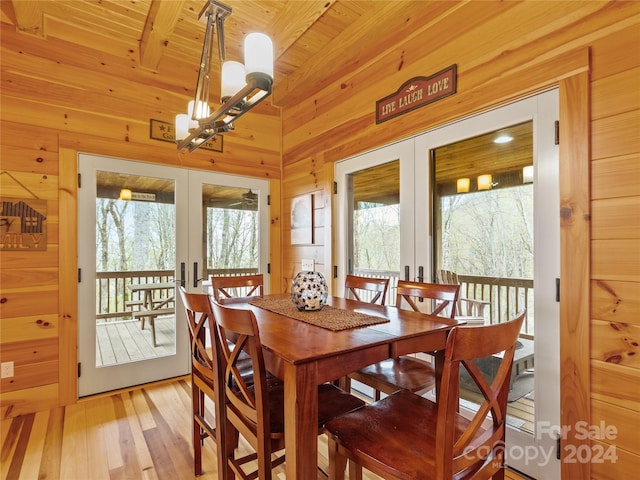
{"x":309,"y":291}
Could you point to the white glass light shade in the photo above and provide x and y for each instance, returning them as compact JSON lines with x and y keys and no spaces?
{"x":484,"y":182}
{"x":527,"y":174}
{"x":202,"y":111}
{"x":233,"y":79}
{"x":182,"y":126}
{"x":258,"y":54}
{"x":462,"y":185}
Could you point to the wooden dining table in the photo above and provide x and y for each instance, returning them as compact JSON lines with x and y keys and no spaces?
{"x":305,"y":356}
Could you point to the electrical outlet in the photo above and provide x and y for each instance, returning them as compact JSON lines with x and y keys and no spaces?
{"x":6,"y":369}
{"x":308,"y":265}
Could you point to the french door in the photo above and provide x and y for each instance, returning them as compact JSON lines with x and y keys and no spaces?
{"x":145,"y":230}
{"x":419,"y":210}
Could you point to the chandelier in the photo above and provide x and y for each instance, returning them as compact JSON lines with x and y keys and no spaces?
{"x":242,"y":86}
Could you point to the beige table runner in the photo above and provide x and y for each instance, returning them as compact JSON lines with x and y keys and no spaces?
{"x":329,"y":317}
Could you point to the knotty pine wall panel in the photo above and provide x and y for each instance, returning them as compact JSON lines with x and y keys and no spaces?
{"x":615,"y":174}
{"x":614,"y":383}
{"x":616,"y":301}
{"x":515,"y":51}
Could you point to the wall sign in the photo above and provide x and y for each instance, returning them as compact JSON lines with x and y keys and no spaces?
{"x":23,"y":224}
{"x":166,"y":132}
{"x":416,"y":93}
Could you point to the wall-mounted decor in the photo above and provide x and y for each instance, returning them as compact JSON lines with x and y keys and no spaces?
{"x":302,"y":220}
{"x":416,"y":93}
{"x":23,"y":224}
{"x":159,"y":130}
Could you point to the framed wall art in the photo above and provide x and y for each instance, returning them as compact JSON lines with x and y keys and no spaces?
{"x":302,"y":220}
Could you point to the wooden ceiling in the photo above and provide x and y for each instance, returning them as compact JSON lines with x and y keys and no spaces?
{"x":151,"y":30}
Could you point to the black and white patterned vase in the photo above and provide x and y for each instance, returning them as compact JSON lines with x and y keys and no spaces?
{"x":309,"y":291}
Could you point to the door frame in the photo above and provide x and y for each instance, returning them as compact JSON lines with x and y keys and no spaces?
{"x":122,"y":375}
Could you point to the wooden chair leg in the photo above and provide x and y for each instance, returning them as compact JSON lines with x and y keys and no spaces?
{"x":345,"y":384}
{"x":355,"y":471}
{"x":197,"y":436}
{"x":337,"y":462}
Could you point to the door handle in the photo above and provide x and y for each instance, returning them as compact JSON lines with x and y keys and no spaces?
{"x":182,"y":274}
{"x":195,"y":275}
{"x":421,"y":274}
{"x":406,"y":272}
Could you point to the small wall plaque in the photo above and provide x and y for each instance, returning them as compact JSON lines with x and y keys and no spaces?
{"x":159,"y":130}
{"x":416,"y":93}
{"x":23,"y":224}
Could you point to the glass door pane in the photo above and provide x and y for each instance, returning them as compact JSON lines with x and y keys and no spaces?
{"x":374,"y":223}
{"x":484,"y":237}
{"x":230,"y":220}
{"x":135,"y":266}
{"x":229,"y":228}
{"x":374,"y":215}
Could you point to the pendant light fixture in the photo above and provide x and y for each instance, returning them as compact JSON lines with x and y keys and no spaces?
{"x":242,"y":86}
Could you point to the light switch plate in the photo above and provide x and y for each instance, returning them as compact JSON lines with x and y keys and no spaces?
{"x":6,"y":369}
{"x":308,"y":265}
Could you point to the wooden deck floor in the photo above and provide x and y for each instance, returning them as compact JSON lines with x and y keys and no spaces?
{"x":138,"y":433}
{"x":125,"y":341}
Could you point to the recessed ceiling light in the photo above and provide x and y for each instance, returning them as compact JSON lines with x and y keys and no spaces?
{"x":503,"y":139}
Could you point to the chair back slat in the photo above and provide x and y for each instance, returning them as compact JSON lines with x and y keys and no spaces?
{"x":226,"y":289}
{"x":443,"y":296}
{"x":355,"y":285}
{"x":200,"y":323}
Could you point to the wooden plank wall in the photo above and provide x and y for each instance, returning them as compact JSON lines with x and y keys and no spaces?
{"x":55,"y":105}
{"x":505,"y":51}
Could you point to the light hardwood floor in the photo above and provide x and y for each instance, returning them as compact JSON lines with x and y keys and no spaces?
{"x":138,"y":433}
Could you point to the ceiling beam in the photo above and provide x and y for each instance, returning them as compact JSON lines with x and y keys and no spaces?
{"x":161,"y":21}
{"x":29,"y":17}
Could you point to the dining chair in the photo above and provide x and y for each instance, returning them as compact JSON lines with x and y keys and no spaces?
{"x":408,"y":372}
{"x":434,"y":440}
{"x":201,"y":332}
{"x":256,"y":411}
{"x":237,"y":289}
{"x":357,"y":287}
{"x":469,"y":310}
{"x":202,"y":339}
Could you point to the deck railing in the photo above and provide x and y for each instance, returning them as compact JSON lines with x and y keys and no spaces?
{"x":112,"y":288}
{"x":506,"y":296}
